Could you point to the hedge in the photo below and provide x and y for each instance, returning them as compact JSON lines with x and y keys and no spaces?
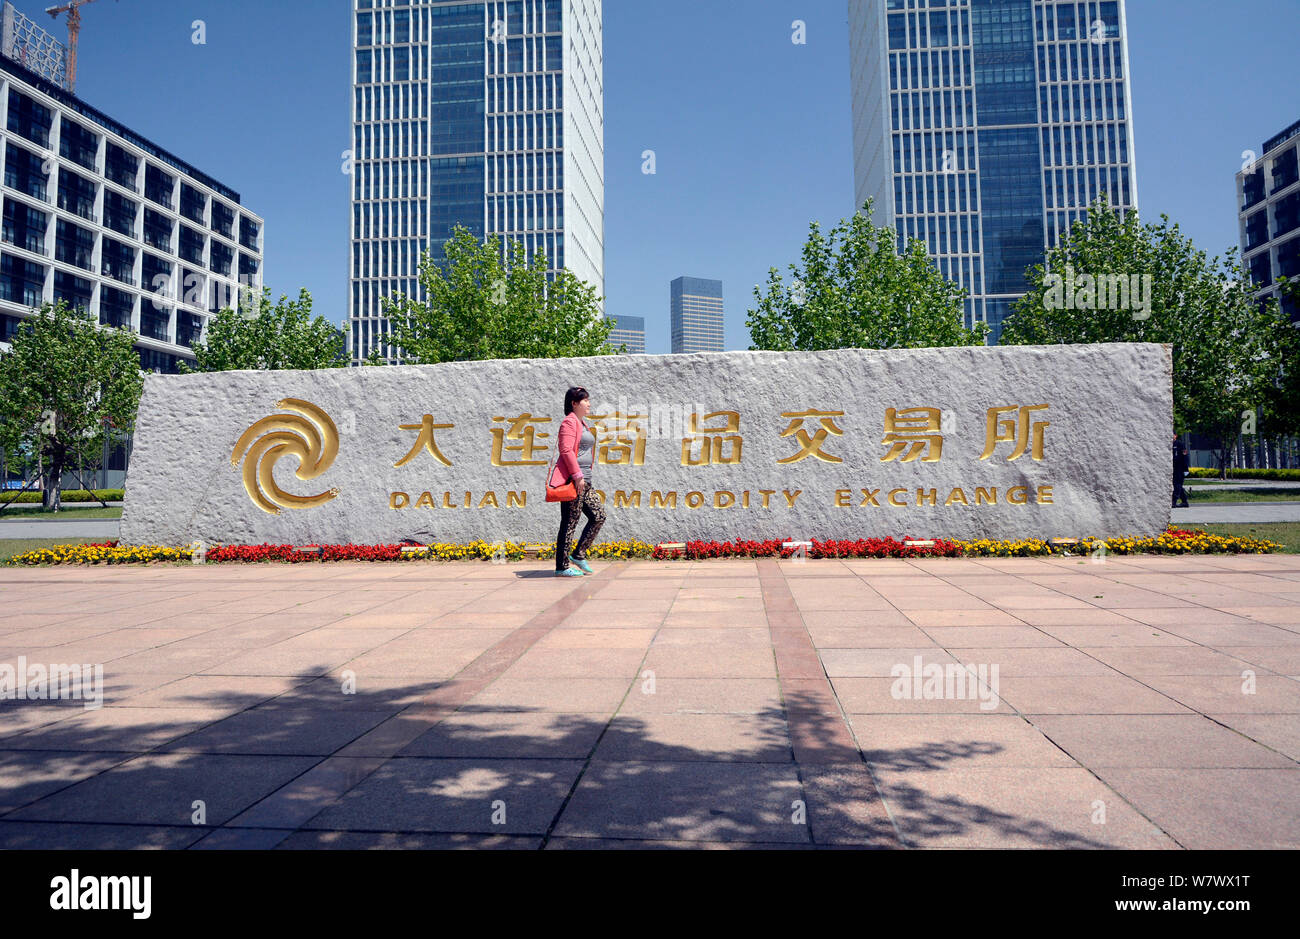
{"x":1290,"y":475}
{"x":69,"y":495}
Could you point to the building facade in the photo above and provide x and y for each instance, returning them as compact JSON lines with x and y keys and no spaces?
{"x":100,"y":217}
{"x":695,"y":312}
{"x":1268,"y":200}
{"x":984,"y":128}
{"x":486,"y":114}
{"x":629,"y":331}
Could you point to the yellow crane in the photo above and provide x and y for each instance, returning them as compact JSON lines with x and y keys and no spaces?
{"x":73,"y":9}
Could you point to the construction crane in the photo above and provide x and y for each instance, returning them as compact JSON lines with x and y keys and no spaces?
{"x":73,"y":9}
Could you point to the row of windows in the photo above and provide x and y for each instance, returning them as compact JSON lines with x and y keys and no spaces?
{"x":942,"y":192}
{"x":927,"y":110}
{"x":1088,"y":144}
{"x":27,"y":280}
{"x":946,"y":69}
{"x":1086,"y":60}
{"x":525,"y":172}
{"x":1059,"y":104}
{"x":1092,"y":21}
{"x":34,"y":122}
{"x":526,"y":213}
{"x":935,"y":29}
{"x":509,"y":19}
{"x":934,"y":152}
{"x":515,"y":132}
{"x":1079,"y":187}
{"x":28,"y":228}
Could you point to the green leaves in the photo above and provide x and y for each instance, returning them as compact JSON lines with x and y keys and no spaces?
{"x":65,"y":385}
{"x":279,"y":336}
{"x":1229,"y":350}
{"x":479,"y":307}
{"x":854,"y":290}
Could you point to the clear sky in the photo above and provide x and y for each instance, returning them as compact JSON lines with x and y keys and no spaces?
{"x":751,"y":133}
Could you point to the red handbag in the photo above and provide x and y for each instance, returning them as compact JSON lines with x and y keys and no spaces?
{"x":566,"y":493}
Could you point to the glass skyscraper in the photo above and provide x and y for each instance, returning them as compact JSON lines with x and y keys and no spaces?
{"x":487,"y":114}
{"x":984,"y":128}
{"x":695,"y":311}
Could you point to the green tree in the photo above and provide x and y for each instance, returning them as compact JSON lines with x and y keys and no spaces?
{"x":276,"y":336}
{"x":65,"y":385}
{"x":1115,"y":279}
{"x":479,"y":307}
{"x":854,"y":290}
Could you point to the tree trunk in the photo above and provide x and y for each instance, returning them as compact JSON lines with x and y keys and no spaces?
{"x":53,"y":495}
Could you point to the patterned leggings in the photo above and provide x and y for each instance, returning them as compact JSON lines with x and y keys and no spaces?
{"x":570,"y":512}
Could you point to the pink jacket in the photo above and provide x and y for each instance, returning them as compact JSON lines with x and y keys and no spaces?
{"x":566,"y":467}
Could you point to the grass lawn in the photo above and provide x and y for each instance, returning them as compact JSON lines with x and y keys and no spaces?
{"x":11,"y":547}
{"x":34,"y":513}
{"x":1244,"y":495}
{"x":1284,"y":533}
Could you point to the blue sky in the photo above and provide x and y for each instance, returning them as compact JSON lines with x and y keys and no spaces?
{"x":751,"y":132}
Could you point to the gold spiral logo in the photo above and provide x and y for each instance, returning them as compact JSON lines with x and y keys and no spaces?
{"x":308,"y":434}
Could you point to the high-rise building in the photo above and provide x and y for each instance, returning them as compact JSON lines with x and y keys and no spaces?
{"x":1268,"y":196}
{"x":486,"y":114}
{"x":628,"y":331}
{"x":985,"y":128}
{"x":695,"y":308}
{"x":100,"y":217}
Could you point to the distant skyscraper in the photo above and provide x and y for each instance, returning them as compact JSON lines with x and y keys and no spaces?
{"x":696,"y":310}
{"x":487,"y":114}
{"x":629,"y":331}
{"x":984,"y":128}
{"x":1268,"y":196}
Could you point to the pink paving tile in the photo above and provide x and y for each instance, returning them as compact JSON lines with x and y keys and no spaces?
{"x":1279,"y":732}
{"x":703,"y":695}
{"x":962,"y":637}
{"x":1093,"y":694}
{"x":989,"y":617}
{"x":1131,"y":634}
{"x":884,"y":696}
{"x":1231,"y":694}
{"x":1037,"y":662}
{"x":952,"y":742}
{"x":1167,"y":660}
{"x":1216,"y":809}
{"x":1190,"y":741}
{"x":1038,"y":807}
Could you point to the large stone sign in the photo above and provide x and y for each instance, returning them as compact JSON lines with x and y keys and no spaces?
{"x":1008,"y":442}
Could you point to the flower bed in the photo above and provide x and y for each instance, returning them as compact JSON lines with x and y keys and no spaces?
{"x":1173,"y":541}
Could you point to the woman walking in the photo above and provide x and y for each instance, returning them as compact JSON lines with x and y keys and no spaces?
{"x":577,"y":450}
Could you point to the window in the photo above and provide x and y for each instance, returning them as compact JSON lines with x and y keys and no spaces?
{"x":158,"y":186}
{"x":223,"y":219}
{"x":117,"y":260}
{"x":191,"y":245}
{"x":74,"y":245}
{"x":73,"y":290}
{"x":24,"y":227}
{"x":193,"y":203}
{"x":25,"y":172}
{"x":119,"y":213}
{"x":29,"y":119}
{"x":115,"y":307}
{"x":189,"y":329}
{"x":157,"y":230}
{"x":21,"y":281}
{"x":121,"y":167}
{"x":156,"y":273}
{"x":78,"y":144}
{"x":222,"y":257}
{"x":248,"y":232}
{"x":76,"y":194}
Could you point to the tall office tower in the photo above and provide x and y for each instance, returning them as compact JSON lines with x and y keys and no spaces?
{"x":486,"y":114}
{"x":628,"y":331}
{"x":106,"y":220}
{"x":984,"y":128}
{"x":696,"y":310}
{"x":1268,"y":193}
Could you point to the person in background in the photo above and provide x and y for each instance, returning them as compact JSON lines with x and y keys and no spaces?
{"x":1180,"y":472}
{"x":577,"y":450}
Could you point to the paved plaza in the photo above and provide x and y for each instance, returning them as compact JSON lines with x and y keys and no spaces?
{"x":1146,"y":702}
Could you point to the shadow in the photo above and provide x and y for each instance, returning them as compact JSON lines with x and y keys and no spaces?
{"x":660,"y":773}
